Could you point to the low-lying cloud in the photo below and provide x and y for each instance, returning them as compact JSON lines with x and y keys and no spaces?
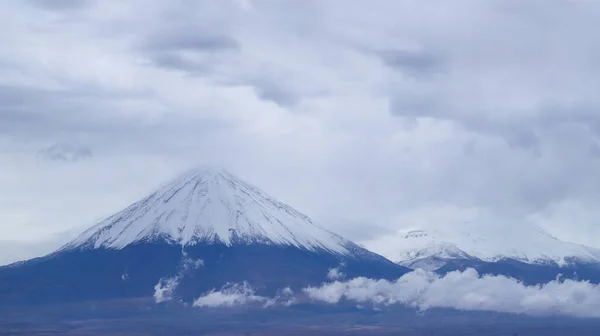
{"x":335,"y":274}
{"x":229,"y":295}
{"x":234,"y":294}
{"x":466,"y":291}
{"x":164,"y":290}
{"x":421,"y":290}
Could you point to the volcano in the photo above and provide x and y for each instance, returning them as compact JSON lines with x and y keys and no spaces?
{"x":202,"y":231}
{"x":519,"y":250}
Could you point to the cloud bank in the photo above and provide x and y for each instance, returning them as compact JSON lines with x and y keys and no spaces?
{"x":466,"y":291}
{"x":424,"y":290}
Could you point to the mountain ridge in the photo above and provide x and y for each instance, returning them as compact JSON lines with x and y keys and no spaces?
{"x":432,"y":246}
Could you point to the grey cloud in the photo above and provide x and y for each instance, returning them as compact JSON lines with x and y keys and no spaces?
{"x":37,"y":112}
{"x":65,"y":153}
{"x":530,"y":130}
{"x":518,"y":135}
{"x":523,"y":138}
{"x":99,"y":118}
{"x":275,"y":91}
{"x":191,"y":39}
{"x":410,"y":62}
{"x":200,"y":54}
{"x":176,"y":61}
{"x":414,"y":106}
{"x":584,"y":115}
{"x":357,"y":230}
{"x":272,"y":86}
{"x":14,"y":251}
{"x":60,"y":4}
{"x":507,"y":121}
{"x":213,"y":51}
{"x":189,"y":48}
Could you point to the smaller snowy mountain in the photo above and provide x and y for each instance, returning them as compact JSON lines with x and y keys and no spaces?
{"x":435,"y":246}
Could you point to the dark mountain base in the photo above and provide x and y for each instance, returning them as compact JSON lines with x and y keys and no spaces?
{"x":527,"y":273}
{"x":143,"y":317}
{"x":133,"y":272}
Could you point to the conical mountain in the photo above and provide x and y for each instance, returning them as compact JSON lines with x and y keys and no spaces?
{"x":210,"y":205}
{"x":199,"y":232}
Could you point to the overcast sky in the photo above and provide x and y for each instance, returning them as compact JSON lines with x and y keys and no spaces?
{"x":366,"y":115}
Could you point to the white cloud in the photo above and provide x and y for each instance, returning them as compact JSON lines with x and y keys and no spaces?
{"x":284,"y":297}
{"x":335,"y":274}
{"x":229,"y":295}
{"x":190,"y":264}
{"x":164,"y":289}
{"x":235,"y":294}
{"x":466,"y":291}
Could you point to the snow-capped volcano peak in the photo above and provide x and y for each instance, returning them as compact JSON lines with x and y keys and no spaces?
{"x":431,"y":245}
{"x":209,"y":204}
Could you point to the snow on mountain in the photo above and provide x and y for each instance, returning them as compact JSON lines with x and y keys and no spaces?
{"x":430,"y":247}
{"x":210,"y":205}
{"x":198,"y":233}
